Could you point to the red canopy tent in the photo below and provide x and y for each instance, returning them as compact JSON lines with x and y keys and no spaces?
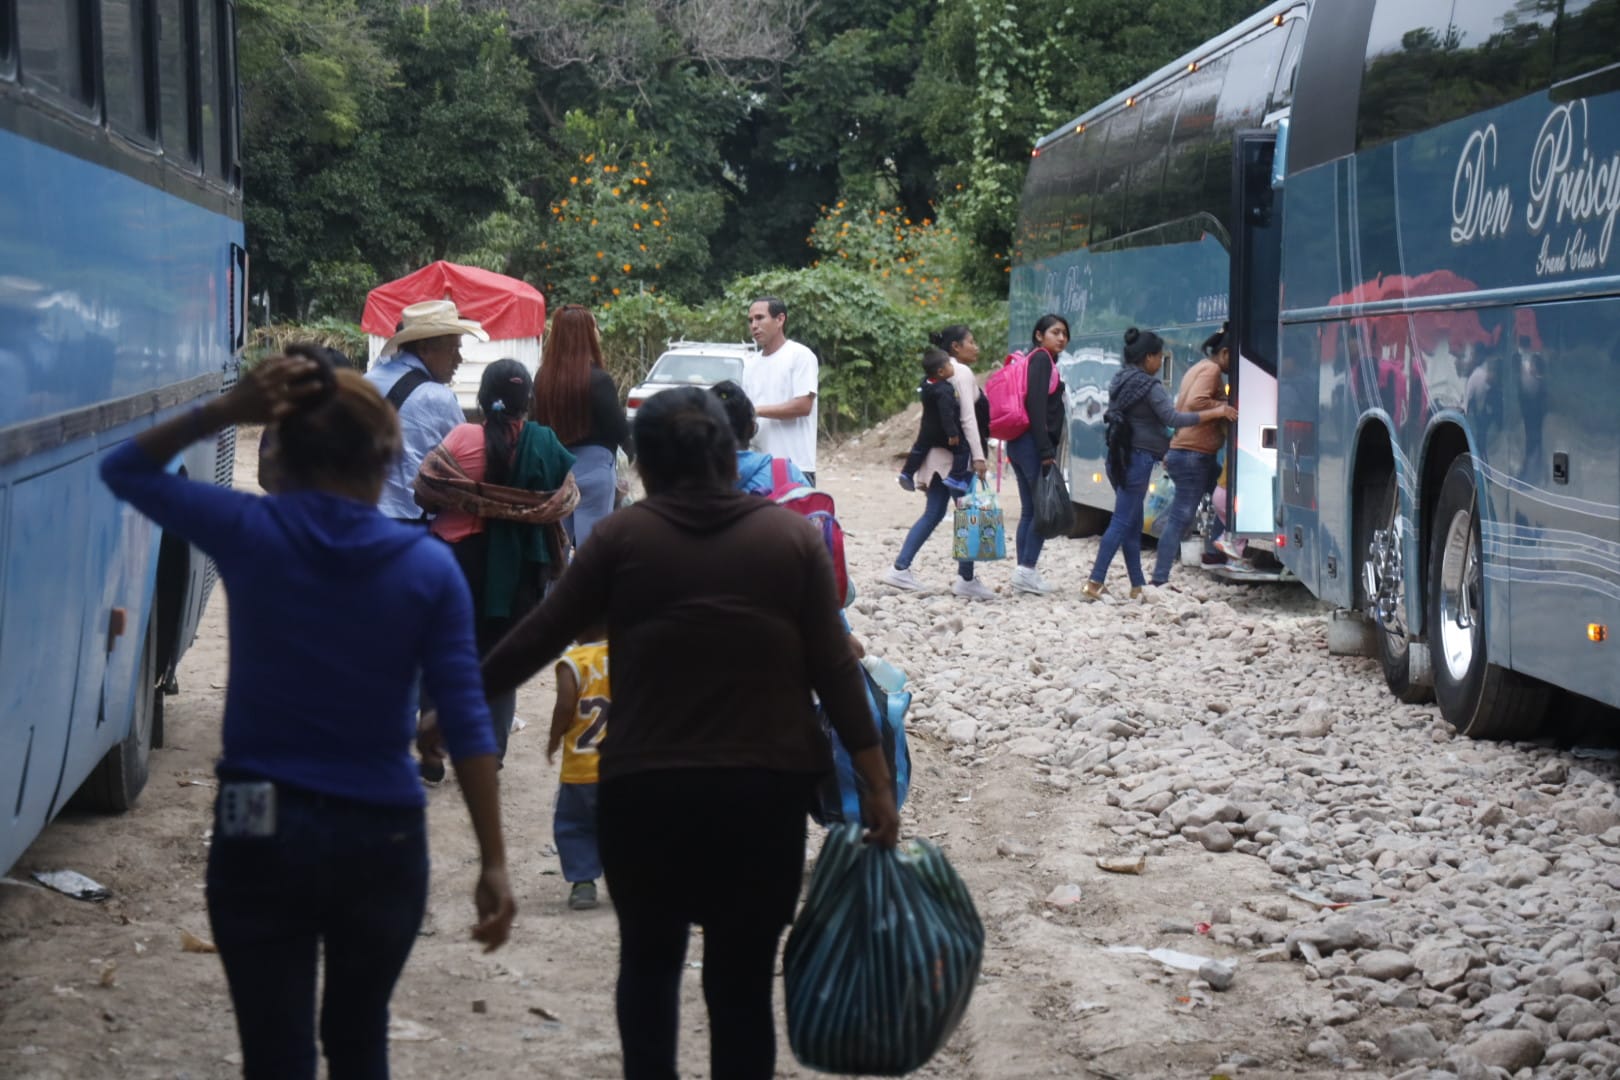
{"x":512,"y":312}
{"x":509,"y":309}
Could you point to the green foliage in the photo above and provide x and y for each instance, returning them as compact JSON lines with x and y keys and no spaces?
{"x":346,"y":337}
{"x":620,"y":227}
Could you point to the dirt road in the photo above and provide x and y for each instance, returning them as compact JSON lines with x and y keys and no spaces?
{"x":106,"y":990}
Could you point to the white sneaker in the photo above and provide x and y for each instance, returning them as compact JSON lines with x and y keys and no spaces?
{"x":1026,"y":579}
{"x":903,"y":579}
{"x":973,"y":589}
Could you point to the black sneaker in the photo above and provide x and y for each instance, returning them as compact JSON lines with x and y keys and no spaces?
{"x":432,"y":770}
{"x":582,"y":897}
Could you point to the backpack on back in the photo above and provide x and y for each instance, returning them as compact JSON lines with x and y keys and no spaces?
{"x":1005,"y":390}
{"x":816,"y":507}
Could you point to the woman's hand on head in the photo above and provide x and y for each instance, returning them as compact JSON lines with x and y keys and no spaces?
{"x":273,"y":388}
{"x":496,"y":907}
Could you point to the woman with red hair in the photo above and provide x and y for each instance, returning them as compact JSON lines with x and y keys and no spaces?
{"x":575,"y":397}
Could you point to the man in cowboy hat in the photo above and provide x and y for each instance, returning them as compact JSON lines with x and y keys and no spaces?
{"x":416,"y":381}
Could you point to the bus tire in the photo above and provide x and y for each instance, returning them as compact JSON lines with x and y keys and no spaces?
{"x":1089,"y":521}
{"x":117,"y":781}
{"x":1478,"y":698}
{"x":1405,"y":663}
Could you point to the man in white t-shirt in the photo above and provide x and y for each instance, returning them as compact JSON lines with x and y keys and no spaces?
{"x":782,"y":381}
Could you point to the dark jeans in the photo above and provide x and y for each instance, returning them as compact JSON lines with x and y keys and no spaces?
{"x":1125,"y":530}
{"x":731,"y":861}
{"x":939,"y":502}
{"x":961,"y":461}
{"x":1026,"y":463}
{"x":341,"y":876}
{"x":1194,"y":475}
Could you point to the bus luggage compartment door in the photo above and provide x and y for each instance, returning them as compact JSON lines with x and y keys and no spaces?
{"x":1251,"y":451}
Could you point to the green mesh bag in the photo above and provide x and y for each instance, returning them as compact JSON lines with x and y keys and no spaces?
{"x":882,"y":959}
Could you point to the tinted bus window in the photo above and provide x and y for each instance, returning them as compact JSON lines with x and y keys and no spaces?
{"x":1282,"y":91}
{"x":208,"y":85}
{"x":7,"y":61}
{"x":1405,"y":51}
{"x":52,"y":45}
{"x":1189,"y":145}
{"x":1498,"y":51}
{"x":1588,"y":37}
{"x":1081,"y":179}
{"x":1152,"y":147}
{"x":1113,"y":170}
{"x":175,"y":80}
{"x":1251,"y":73}
{"x":123,"y":66}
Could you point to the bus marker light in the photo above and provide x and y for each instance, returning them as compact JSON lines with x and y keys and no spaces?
{"x":1282,"y":540}
{"x":1035,"y":152}
{"x":1597,"y":632}
{"x":1096,"y":478}
{"x":1193,"y":66}
{"x":1276,"y":20}
{"x":1129,"y":102}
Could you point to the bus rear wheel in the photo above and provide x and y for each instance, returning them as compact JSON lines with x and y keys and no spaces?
{"x":1404,"y":662}
{"x":1478,"y":698}
{"x":120,"y":776}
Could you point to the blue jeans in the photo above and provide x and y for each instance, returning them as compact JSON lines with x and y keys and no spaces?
{"x":339,"y":876}
{"x":1026,"y":463}
{"x":939,"y":501}
{"x":596,"y":473}
{"x":1194,"y":475}
{"x":573,"y":827}
{"x":1125,"y":530}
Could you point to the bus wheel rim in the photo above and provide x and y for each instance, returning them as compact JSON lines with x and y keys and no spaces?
{"x":1459,"y":596}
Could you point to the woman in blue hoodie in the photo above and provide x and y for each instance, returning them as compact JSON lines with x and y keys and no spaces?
{"x":320,"y":840}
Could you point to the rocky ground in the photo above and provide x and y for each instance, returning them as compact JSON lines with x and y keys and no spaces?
{"x":1200,"y":845}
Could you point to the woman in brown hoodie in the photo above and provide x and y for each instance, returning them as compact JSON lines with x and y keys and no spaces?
{"x":722,"y":615}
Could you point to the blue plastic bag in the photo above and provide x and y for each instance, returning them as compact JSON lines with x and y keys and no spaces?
{"x":882,"y":960}
{"x":979,"y":534}
{"x":838,"y":798}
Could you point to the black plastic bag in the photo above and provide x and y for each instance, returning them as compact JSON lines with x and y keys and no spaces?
{"x":882,"y":960}
{"x":1054,"y":513}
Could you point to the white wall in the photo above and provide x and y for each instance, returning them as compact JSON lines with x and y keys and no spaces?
{"x":475,"y":357}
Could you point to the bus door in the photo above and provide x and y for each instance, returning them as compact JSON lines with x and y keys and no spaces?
{"x":1251,"y":450}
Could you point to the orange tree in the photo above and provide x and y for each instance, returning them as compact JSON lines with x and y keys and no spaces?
{"x":616,"y":226}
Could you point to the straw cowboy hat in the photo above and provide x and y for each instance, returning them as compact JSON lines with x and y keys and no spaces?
{"x":431,"y":319}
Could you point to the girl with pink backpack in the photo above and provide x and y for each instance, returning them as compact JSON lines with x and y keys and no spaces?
{"x":1027,"y":414}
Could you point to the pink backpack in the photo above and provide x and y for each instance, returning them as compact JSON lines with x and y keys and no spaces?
{"x":1005,"y":390}
{"x":816,"y":507}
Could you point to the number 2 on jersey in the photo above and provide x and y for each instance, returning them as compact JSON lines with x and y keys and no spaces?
{"x":596,"y":709}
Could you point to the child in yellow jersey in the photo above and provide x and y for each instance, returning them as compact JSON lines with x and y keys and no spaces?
{"x":578,"y":722}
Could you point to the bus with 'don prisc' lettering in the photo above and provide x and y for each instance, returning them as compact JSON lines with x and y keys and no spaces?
{"x":122,"y":285}
{"x":1449,"y":344}
{"x":1133,"y":215}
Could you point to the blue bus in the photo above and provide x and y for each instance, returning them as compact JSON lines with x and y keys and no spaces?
{"x":121,"y":303}
{"x":1449,"y":343}
{"x":1129,"y":218}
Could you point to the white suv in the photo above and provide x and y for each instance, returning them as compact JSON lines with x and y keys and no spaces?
{"x":691,"y":363}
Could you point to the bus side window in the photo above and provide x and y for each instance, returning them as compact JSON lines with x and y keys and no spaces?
{"x":1082,"y":181}
{"x":124,"y":68}
{"x":1190,"y":143}
{"x":8,"y":57}
{"x":175,"y":81}
{"x":52,"y":47}
{"x":1500,"y":50}
{"x":1152,"y":150}
{"x":209,"y":84}
{"x":1405,"y":47}
{"x":1588,"y":37}
{"x":233,"y":101}
{"x":1282,"y":91}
